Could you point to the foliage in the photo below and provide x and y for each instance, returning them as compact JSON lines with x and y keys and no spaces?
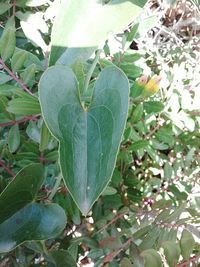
{"x":148,"y":215}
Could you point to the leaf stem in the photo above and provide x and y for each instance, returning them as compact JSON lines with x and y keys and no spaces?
{"x":91,"y":70}
{"x":14,"y":77}
{"x":55,"y":188}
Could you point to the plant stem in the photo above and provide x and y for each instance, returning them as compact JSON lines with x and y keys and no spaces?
{"x":91,"y":70}
{"x":25,"y":119}
{"x":14,"y":8}
{"x":14,"y":77}
{"x":55,"y":188}
{"x":8,"y":170}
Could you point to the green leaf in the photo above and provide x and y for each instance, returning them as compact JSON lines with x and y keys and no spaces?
{"x":18,"y":60}
{"x":78,"y":17}
{"x":6,"y":89}
{"x":125,"y":262}
{"x":7,"y":43}
{"x":109,"y":191}
{"x":168,"y":171}
{"x":172,"y":252}
{"x":153,"y":106}
{"x":187,"y":244}
{"x":137,"y":114}
{"x":21,"y":190}
{"x":45,"y":137}
{"x":78,"y":69}
{"x":88,"y":142}
{"x":13,"y":138}
{"x":24,"y":106}
{"x":4,"y":78}
{"x":152,"y":258}
{"x":28,"y":75}
{"x":62,"y":258}
{"x":4,"y":7}
{"x":139,"y":144}
{"x":33,"y":222}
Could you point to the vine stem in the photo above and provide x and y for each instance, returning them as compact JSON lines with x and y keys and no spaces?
{"x":8,"y":170}
{"x":14,"y":77}
{"x":119,"y":216}
{"x":25,"y":119}
{"x":91,"y":70}
{"x":112,"y":255}
{"x":55,"y":188}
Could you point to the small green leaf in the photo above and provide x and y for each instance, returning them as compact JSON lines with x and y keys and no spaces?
{"x":18,"y":60}
{"x":24,"y":106}
{"x":187,"y":244}
{"x":78,"y":69}
{"x":7,"y":89}
{"x":137,"y":114}
{"x":28,"y":75}
{"x":172,"y":252}
{"x":21,"y":190}
{"x":139,"y":145}
{"x":7,"y":43}
{"x":33,"y":132}
{"x":33,"y":222}
{"x":125,"y":262}
{"x":168,"y":171}
{"x":13,"y":138}
{"x":45,"y":137}
{"x":153,"y":106}
{"x":4,"y":78}
{"x":109,"y":191}
{"x":4,"y":7}
{"x":62,"y":258}
{"x":152,"y":258}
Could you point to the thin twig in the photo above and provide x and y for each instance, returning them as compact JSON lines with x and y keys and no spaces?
{"x":112,"y":255}
{"x":14,"y":77}
{"x":14,"y":8}
{"x":25,"y":119}
{"x":121,"y":215}
{"x":7,"y":169}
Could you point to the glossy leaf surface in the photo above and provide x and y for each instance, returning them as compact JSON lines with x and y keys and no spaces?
{"x":21,"y":191}
{"x":34,"y":222}
{"x":89,"y":139}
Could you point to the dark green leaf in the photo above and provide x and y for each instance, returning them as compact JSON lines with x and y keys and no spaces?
{"x":21,"y":191}
{"x":33,"y":222}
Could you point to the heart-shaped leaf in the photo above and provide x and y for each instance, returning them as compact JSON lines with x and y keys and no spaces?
{"x":89,"y":139}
